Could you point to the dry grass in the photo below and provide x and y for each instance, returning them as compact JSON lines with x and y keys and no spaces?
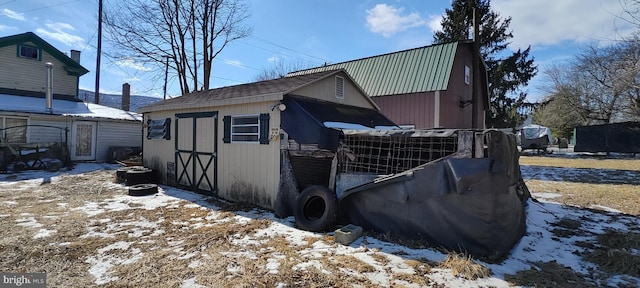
{"x":590,"y":190}
{"x":162,"y":247}
{"x":623,"y":197}
{"x":613,"y":253}
{"x":463,"y":266}
{"x":584,"y":162}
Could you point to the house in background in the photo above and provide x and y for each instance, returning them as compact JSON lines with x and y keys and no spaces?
{"x":28,"y":119}
{"x":426,"y":87}
{"x":233,"y":141}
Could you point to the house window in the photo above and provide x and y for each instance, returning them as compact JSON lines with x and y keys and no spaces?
{"x":246,"y":128}
{"x":159,"y":129}
{"x":13,"y":130}
{"x":339,"y":87}
{"x":467,"y":75}
{"x":29,"y":52}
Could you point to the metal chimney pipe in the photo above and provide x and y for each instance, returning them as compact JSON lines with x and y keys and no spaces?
{"x":49,"y":89}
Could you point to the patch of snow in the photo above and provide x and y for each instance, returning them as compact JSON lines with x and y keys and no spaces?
{"x":605,"y":208}
{"x":191,"y":283}
{"x":194,"y":264}
{"x":10,"y":203}
{"x":101,"y":263}
{"x":100,"y":270}
{"x":28,"y":222}
{"x":546,"y":195}
{"x":42,"y":233}
{"x":66,"y":108}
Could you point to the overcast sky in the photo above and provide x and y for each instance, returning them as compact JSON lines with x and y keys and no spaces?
{"x":318,"y":31}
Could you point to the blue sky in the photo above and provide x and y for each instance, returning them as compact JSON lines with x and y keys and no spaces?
{"x":316,"y":31}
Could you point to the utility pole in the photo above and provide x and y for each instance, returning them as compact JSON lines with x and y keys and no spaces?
{"x":166,"y":73}
{"x":99,"y":52}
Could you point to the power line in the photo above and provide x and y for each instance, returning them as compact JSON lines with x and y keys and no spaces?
{"x":8,"y":2}
{"x":283,"y":47}
{"x":45,"y":7}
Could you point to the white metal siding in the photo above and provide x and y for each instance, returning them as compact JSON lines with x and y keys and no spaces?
{"x":117,"y":134}
{"x":47,"y":134}
{"x":30,"y":75}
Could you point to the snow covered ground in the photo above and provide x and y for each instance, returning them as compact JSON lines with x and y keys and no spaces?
{"x":541,"y":243}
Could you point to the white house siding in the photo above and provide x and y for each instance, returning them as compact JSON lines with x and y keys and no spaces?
{"x":117,"y":134}
{"x":30,"y":75}
{"x":247,"y":172}
{"x":47,"y":134}
{"x":326,"y":90}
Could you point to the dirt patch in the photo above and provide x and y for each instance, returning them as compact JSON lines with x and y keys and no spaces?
{"x":549,"y":274}
{"x":615,"y":252}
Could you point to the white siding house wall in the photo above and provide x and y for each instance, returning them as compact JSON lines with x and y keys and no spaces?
{"x":30,"y":75}
{"x":47,"y":134}
{"x":117,"y":134}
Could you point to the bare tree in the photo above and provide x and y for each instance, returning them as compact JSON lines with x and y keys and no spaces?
{"x":281,"y":68}
{"x":190,"y":33}
{"x":601,"y":84}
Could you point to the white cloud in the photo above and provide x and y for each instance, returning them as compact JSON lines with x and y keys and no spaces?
{"x":7,"y":28}
{"x":132,"y":79}
{"x":13,"y":15}
{"x":130,"y":63}
{"x":233,"y":63}
{"x":273,"y":59}
{"x":388,"y":20}
{"x":56,"y":31}
{"x":551,"y":22}
{"x":435,"y":23}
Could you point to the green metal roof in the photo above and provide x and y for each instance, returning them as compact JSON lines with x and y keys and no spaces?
{"x":416,"y":70}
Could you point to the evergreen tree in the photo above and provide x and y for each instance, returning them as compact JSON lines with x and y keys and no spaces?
{"x":507,"y":74}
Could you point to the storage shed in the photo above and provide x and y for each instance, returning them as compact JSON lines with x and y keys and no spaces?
{"x":227,"y":141}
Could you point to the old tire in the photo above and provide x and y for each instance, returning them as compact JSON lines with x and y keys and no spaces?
{"x":143,"y":189}
{"x":316,"y":209}
{"x":139,"y":176}
{"x":121,"y":173}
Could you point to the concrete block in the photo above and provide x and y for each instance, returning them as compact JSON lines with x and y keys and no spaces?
{"x":347,"y":234}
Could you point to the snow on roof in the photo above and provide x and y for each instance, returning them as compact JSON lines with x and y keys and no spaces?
{"x":24,"y":104}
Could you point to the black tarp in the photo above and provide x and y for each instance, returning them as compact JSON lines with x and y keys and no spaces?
{"x":304,"y":120}
{"x":474,"y":205}
{"x":617,"y":137}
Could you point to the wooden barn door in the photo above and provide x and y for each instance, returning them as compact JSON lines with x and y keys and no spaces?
{"x":196,"y":151}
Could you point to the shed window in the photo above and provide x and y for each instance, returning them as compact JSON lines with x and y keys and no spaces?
{"x":467,"y":75}
{"x":29,"y":52}
{"x":13,"y":130}
{"x":159,"y":129}
{"x":246,"y":128}
{"x":339,"y":87}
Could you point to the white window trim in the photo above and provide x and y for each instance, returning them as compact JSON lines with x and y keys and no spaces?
{"x":39,"y":56}
{"x":257,"y":116}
